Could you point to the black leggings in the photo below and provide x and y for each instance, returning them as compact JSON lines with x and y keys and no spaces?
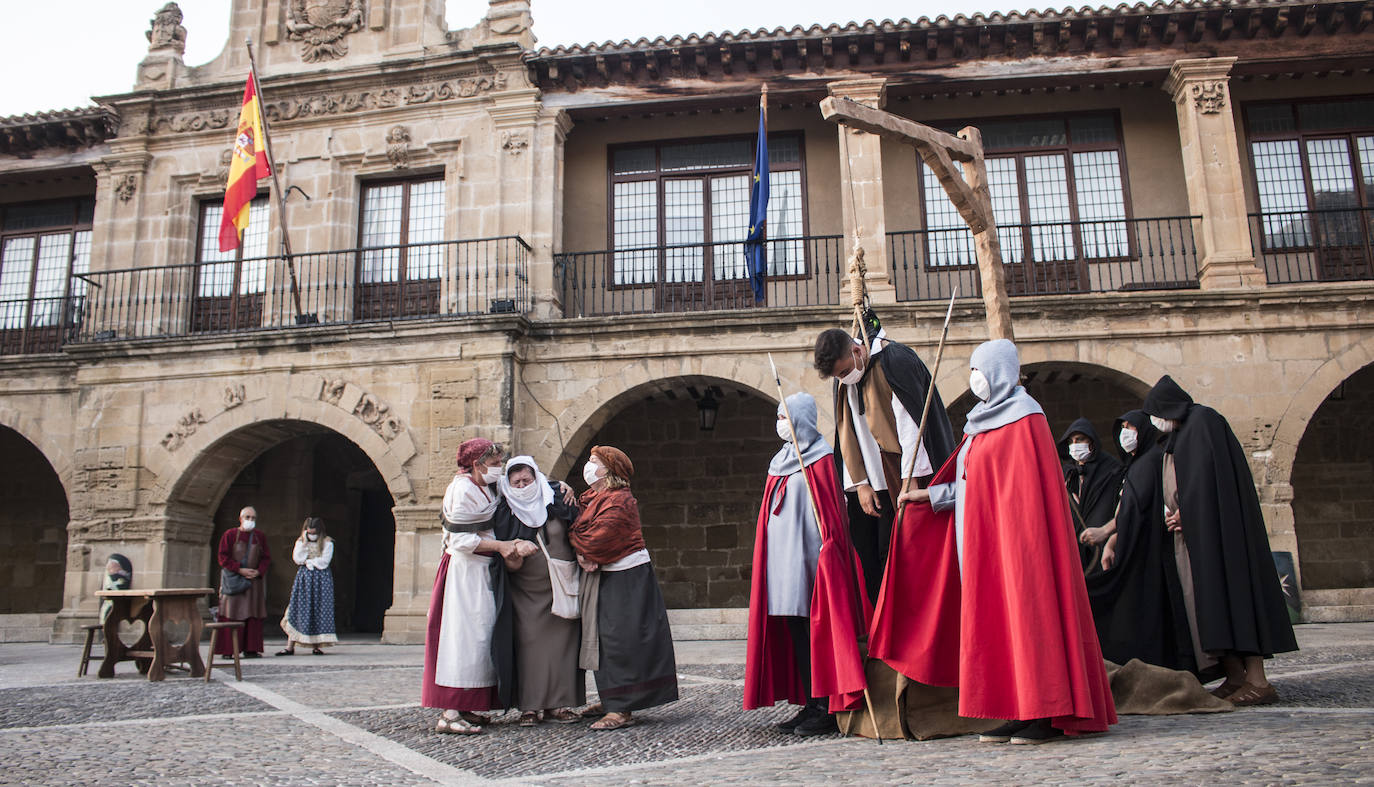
{"x":800,"y":629}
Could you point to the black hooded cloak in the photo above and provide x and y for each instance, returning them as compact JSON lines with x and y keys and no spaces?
{"x":1138,"y":603}
{"x":1240,"y":606}
{"x":909,"y":379}
{"x":1096,"y":483}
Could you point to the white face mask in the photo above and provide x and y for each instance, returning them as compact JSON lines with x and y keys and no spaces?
{"x":855,"y":375}
{"x":313,"y":536}
{"x":1080,"y":451}
{"x":492,"y":475}
{"x":249,"y":524}
{"x":783,"y":431}
{"x":978,"y":383}
{"x":1164,"y":425}
{"x":1128,"y":440}
{"x":589,"y":471}
{"x":525,"y":494}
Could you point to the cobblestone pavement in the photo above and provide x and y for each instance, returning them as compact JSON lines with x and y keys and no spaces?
{"x":352,"y":718}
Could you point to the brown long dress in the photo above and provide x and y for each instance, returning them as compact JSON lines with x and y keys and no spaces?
{"x":546,"y":645}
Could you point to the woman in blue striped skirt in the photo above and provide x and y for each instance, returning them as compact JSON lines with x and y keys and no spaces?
{"x":309,"y":617}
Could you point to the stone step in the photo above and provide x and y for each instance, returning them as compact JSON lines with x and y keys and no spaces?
{"x":693,"y":632}
{"x":729,"y":615}
{"x":27,"y":627}
{"x":1346,"y":613}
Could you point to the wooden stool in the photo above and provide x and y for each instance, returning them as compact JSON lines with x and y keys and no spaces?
{"x":213,"y":628}
{"x":91,"y":629}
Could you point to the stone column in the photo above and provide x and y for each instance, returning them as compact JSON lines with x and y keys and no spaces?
{"x":861,"y":190}
{"x":1211,"y":166}
{"x":418,"y":550}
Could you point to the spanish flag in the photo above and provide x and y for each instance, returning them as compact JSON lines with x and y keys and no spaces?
{"x":248,"y":165}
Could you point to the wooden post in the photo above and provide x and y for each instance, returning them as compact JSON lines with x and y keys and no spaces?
{"x":967,"y":189}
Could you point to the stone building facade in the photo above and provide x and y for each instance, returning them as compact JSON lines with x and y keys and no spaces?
{"x":542,"y":246}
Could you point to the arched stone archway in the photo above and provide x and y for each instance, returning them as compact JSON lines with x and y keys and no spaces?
{"x":33,"y":536}
{"x":698,"y":491}
{"x":54,"y":454}
{"x":287,"y":470}
{"x":1304,"y":403}
{"x":1333,"y":488}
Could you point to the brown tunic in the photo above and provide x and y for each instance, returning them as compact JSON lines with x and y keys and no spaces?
{"x":546,"y":645}
{"x":247,"y":549}
{"x":1185,"y":564}
{"x":876,"y":394}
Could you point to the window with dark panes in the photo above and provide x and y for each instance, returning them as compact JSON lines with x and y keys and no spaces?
{"x":41,"y":245}
{"x":679,"y":210}
{"x":402,"y":255}
{"x":1314,"y":171}
{"x":1058,"y":190}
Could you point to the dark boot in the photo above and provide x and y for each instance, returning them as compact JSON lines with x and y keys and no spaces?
{"x":791,"y":724}
{"x":819,"y":722}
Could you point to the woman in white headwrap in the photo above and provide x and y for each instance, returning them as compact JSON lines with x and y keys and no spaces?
{"x":538,"y":646}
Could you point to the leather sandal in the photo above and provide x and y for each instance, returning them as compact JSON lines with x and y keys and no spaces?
{"x":613,"y":721}
{"x":474,"y":718}
{"x":456,"y":726}
{"x":593,"y":711}
{"x":1226,"y":689}
{"x":318,"y":651}
{"x":529,"y":718}
{"x":286,"y":652}
{"x":1250,"y":694}
{"x":563,"y":716}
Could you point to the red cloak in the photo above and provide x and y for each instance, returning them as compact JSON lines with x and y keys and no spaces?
{"x":840,"y":611}
{"x":1017,"y":635}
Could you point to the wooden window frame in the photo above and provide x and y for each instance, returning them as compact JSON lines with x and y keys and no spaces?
{"x":402,"y":246}
{"x":1302,"y":138}
{"x":659,"y":176}
{"x":1023,"y":201}
{"x":71,"y":229}
{"x":203,"y":204}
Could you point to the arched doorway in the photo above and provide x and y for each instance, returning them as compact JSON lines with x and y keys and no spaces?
{"x":1333,"y":489}
{"x":698,"y":491}
{"x":289,"y":470}
{"x":33,"y":529}
{"x":1069,"y":391}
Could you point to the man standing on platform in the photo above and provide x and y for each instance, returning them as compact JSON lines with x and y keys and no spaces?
{"x":880,"y":391}
{"x":243,"y":551}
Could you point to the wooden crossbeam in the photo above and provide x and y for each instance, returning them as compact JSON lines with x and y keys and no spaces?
{"x":966,"y":185}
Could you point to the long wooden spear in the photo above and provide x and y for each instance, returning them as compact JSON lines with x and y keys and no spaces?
{"x":815,"y":514}
{"x":930,"y":396}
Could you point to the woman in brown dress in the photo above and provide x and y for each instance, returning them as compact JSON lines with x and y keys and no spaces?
{"x":540,"y":646}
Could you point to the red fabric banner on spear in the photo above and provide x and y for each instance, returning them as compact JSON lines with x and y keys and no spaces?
{"x":248,"y":165}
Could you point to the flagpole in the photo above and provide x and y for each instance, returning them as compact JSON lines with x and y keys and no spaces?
{"x":276,"y":182}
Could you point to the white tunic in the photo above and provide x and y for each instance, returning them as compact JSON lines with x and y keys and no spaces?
{"x":464,"y":659}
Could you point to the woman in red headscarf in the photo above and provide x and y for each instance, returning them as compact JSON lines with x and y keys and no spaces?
{"x":625,"y":634}
{"x":460,"y":675}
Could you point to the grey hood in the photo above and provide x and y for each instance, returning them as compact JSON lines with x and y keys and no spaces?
{"x":1008,"y":401}
{"x":802,"y":406}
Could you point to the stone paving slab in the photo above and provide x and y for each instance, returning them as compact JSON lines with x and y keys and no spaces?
{"x":44,"y":706}
{"x":333,"y":689}
{"x":707,"y":719}
{"x":263,"y":750}
{"x":1246,"y":747}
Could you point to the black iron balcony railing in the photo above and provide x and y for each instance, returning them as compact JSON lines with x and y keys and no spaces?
{"x":698,"y":277}
{"x":1332,"y":244}
{"x":37,"y":325}
{"x":383,"y":283}
{"x":1050,"y":259}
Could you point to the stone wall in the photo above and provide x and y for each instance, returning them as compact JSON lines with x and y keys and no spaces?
{"x":698,"y":491}
{"x":33,"y":529}
{"x":1333,"y":489}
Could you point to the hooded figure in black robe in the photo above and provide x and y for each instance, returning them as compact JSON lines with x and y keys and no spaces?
{"x":1239,"y":604}
{"x":910,"y":380}
{"x":1093,"y":489}
{"x":1138,"y":603}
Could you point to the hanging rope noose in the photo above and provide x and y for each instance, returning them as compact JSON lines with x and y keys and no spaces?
{"x":857,"y":269}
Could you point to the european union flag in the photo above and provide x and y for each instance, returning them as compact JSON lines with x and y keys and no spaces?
{"x":755,"y":253}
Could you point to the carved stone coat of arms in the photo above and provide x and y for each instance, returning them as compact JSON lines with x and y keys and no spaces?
{"x":321,"y":26}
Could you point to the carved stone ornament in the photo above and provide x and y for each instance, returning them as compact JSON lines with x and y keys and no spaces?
{"x":366,"y":407}
{"x":126,"y":187}
{"x":321,"y":26}
{"x":234,"y":395}
{"x":226,"y":158}
{"x":515,"y":142}
{"x":185,"y":427}
{"x":165,"y":31}
{"x":341,"y":103}
{"x":1209,"y":97}
{"x":398,"y":147}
